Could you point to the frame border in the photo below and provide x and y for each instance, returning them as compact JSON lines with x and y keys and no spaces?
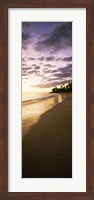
{"x":4,"y":5}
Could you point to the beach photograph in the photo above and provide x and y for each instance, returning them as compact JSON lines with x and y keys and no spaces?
{"x":46,"y":99}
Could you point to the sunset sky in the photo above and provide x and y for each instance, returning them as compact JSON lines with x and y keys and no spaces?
{"x":46,"y":55}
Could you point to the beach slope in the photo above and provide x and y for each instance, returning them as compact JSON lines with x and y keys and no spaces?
{"x":47,"y":148}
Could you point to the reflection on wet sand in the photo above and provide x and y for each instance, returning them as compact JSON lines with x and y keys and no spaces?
{"x":32,"y":112}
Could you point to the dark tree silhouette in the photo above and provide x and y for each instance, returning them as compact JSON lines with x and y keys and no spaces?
{"x":63,"y":88}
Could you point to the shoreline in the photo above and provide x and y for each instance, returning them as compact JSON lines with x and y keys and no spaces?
{"x":47,"y":148}
{"x":38,"y":100}
{"x":32,"y":112}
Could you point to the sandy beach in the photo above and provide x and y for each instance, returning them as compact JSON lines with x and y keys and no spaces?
{"x":32,"y":110}
{"x":47,"y":147}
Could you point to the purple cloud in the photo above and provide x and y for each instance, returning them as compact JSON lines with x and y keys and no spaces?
{"x":68,"y":59}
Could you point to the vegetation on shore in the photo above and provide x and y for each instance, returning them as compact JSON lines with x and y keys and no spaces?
{"x":63,"y":88}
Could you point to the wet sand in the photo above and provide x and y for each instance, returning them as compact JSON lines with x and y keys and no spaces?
{"x":32,"y":110}
{"x":47,"y":147}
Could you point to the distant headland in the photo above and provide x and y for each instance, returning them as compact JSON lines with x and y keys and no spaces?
{"x":63,"y":88}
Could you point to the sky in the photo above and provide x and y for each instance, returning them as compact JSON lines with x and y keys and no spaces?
{"x":46,"y":55}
